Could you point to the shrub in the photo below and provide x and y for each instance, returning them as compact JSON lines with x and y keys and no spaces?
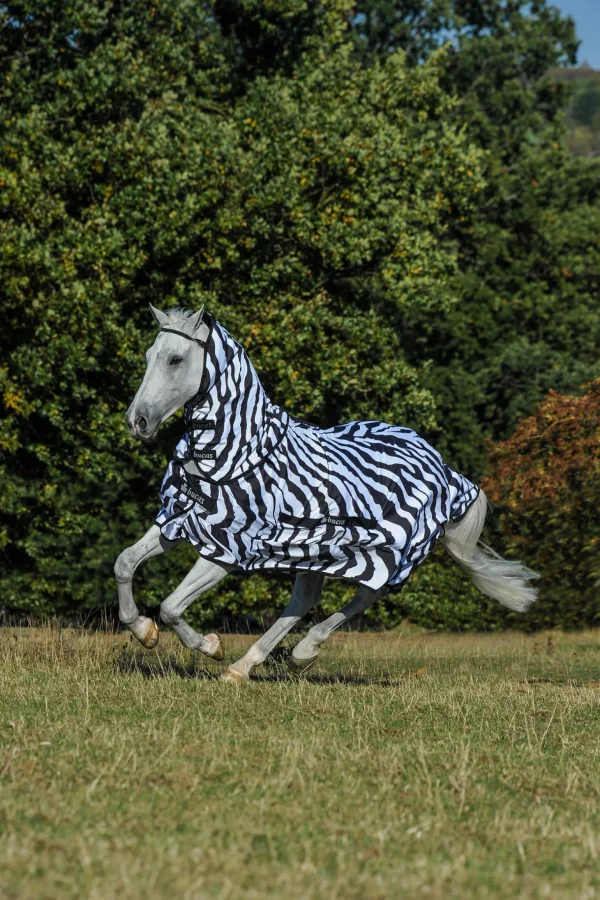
{"x":546,"y":480}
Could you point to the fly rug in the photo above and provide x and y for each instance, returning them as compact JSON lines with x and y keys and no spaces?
{"x":254,"y":488}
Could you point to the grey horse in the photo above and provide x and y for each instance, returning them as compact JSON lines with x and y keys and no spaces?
{"x":175,"y":365}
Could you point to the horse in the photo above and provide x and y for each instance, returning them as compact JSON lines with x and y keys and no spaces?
{"x":253,"y":488}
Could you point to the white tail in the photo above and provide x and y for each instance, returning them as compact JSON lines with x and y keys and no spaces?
{"x":502,"y":579}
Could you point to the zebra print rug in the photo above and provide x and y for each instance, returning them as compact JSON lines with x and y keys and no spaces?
{"x":254,"y":487}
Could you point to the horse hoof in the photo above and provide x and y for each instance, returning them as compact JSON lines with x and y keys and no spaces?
{"x":216,"y":651}
{"x":301,"y":665}
{"x":234,"y":677}
{"x":149,"y":639}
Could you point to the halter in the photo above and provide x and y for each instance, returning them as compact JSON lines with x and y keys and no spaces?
{"x":201,"y":344}
{"x":186,"y":336}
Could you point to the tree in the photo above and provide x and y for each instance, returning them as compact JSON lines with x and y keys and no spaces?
{"x":527,"y":317}
{"x":586,"y":105}
{"x":305,"y":207}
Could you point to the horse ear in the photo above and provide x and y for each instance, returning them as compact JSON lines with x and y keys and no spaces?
{"x":194,"y":322}
{"x":161,"y":317}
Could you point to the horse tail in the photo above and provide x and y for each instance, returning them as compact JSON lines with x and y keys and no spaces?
{"x":501,"y":579}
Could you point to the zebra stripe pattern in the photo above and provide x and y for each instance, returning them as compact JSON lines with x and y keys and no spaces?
{"x":254,"y":487}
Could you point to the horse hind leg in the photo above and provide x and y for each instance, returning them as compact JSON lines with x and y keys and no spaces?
{"x":504,"y":580}
{"x":305,"y":653}
{"x":306,"y":593}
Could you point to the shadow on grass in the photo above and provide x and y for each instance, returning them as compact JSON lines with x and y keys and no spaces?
{"x":138,"y":664}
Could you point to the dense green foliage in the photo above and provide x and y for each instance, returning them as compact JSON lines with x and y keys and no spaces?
{"x":528,"y":319}
{"x":133,"y":169}
{"x":393,"y":229}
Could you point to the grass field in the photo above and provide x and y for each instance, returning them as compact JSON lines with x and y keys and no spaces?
{"x":450,"y":767}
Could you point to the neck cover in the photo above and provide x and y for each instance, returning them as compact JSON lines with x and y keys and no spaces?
{"x":231,"y":423}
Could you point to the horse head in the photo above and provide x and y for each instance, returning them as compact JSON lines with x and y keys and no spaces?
{"x":174,"y":367}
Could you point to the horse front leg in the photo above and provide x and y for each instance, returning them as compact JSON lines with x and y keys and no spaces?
{"x":203,"y":575}
{"x":145,"y":630}
{"x":307,"y":591}
{"x":305,"y":653}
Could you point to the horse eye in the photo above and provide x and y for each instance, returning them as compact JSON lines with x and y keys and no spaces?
{"x":175,"y":360}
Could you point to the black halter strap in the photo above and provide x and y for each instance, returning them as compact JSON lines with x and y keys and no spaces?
{"x":186,"y":336}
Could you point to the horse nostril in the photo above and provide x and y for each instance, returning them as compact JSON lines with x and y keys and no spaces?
{"x":141,"y":424}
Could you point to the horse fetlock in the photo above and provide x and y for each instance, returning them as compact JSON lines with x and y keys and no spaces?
{"x":308,"y":647}
{"x":255,"y":656}
{"x":128,"y":618}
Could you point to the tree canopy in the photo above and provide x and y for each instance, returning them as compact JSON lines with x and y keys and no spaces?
{"x":305,"y":211}
{"x":375,"y":198}
{"x":527,"y":318}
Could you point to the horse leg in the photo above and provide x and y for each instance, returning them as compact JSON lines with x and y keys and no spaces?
{"x":307,"y":591}
{"x":306,"y":651}
{"x":201,"y":577}
{"x":145,"y":630}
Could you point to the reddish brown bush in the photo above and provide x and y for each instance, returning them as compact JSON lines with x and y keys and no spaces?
{"x":546,"y":480}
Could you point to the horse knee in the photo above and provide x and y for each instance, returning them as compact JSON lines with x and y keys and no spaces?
{"x":125,"y":565}
{"x":169,"y":614}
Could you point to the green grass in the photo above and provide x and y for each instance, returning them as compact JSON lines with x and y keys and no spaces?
{"x":448,"y":767}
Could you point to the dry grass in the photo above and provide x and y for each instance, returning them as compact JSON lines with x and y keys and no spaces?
{"x":446,"y":767}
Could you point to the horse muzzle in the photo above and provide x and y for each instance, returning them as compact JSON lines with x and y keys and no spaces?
{"x":139,"y":425}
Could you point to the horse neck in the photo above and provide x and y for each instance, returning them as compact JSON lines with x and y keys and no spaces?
{"x":231,"y":419}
